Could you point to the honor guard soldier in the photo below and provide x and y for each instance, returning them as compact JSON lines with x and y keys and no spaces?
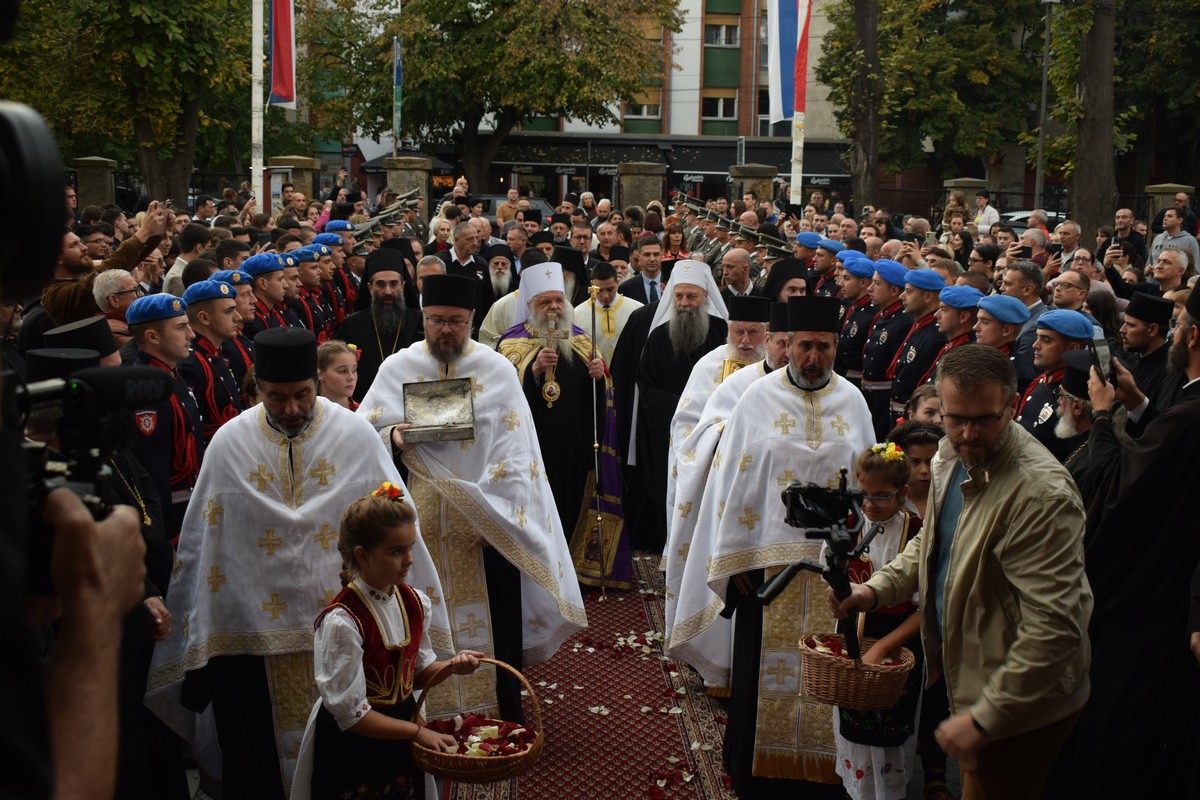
{"x":269,"y":288}
{"x":856,"y":326}
{"x":823,"y":278}
{"x":1058,"y":332}
{"x":239,"y":350}
{"x":955,"y":320}
{"x":168,"y":439}
{"x":807,"y":242}
{"x":307,"y":305}
{"x":997,"y":325}
{"x":333,"y":286}
{"x":212,"y":312}
{"x":920,"y":347}
{"x":888,"y":328}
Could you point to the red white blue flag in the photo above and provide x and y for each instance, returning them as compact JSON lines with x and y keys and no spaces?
{"x":787,"y":56}
{"x":283,"y":54}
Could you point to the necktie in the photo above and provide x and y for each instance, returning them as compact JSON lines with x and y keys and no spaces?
{"x":653,"y":291}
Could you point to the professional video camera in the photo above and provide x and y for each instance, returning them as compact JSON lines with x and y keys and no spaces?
{"x":836,"y":516}
{"x":92,"y":405}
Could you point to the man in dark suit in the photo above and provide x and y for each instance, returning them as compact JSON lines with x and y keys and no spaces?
{"x":463,"y":259}
{"x":646,"y":286}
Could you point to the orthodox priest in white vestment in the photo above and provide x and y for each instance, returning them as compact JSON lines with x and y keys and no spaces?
{"x":517,"y":596}
{"x":258,"y":560}
{"x":711,"y":651}
{"x":803,"y":423}
{"x":748,"y":317}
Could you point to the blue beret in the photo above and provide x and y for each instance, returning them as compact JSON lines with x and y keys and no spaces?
{"x":831,"y":245}
{"x":320,"y":250}
{"x":926,"y":279}
{"x":892,"y":271}
{"x":154,"y":307}
{"x":809,"y":239}
{"x":261,"y":264}
{"x":847,"y":254}
{"x":861,"y":267}
{"x":289,"y":259}
{"x":208,"y":290}
{"x":335,"y":225}
{"x":330,"y":239}
{"x":234,"y":277}
{"x":1070,"y":324}
{"x":305,"y":254}
{"x":961,"y":296}
{"x":1008,"y":310}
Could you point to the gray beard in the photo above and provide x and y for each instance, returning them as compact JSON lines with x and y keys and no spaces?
{"x":539,"y":322}
{"x":758,"y":354}
{"x":804,"y":383}
{"x":1065,"y":428}
{"x":293,"y":426}
{"x":499,"y":284}
{"x":388,"y":318}
{"x":688,"y":328}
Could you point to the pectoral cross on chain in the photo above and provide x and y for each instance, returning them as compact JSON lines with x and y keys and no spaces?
{"x":551,"y":391}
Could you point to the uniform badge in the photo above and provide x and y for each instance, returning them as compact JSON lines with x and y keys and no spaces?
{"x":854,"y":330}
{"x":883,"y":336}
{"x":1046,"y":413}
{"x":910,"y":355}
{"x":147,"y":422}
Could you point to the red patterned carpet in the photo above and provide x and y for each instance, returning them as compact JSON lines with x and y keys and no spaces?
{"x":622,"y":721}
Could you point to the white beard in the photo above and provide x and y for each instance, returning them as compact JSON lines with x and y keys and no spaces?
{"x":539,"y":322}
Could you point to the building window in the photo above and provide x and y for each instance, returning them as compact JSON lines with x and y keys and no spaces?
{"x":764,"y":44}
{"x":719,"y":108}
{"x":721,"y":35}
{"x":643,"y":111}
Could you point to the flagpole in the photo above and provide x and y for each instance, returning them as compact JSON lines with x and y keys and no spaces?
{"x":256,"y":107}
{"x":797,"y":180}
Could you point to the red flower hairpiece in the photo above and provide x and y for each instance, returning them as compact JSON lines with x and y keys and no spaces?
{"x":389,"y":490}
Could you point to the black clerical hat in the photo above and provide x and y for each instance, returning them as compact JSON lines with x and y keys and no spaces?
{"x":779,"y":318}
{"x":48,"y":363}
{"x":402,"y":245}
{"x":92,"y":333}
{"x":285,"y":355}
{"x":814,"y":314}
{"x":541,"y":237}
{"x":782,"y":272}
{"x":385,"y":260}
{"x":448,"y":290}
{"x":1150,"y":310}
{"x":1078,"y":370}
{"x":497,"y":250}
{"x":618,"y":252}
{"x":748,"y":309}
{"x":532,"y":215}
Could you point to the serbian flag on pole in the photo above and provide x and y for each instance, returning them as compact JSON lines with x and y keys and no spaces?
{"x":787,"y":56}
{"x":283,"y":54}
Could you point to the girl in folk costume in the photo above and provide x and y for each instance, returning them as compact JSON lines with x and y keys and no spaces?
{"x":371,"y":651}
{"x":874,"y":747}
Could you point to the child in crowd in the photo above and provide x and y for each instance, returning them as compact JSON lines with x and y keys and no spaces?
{"x":874,"y":747}
{"x":371,"y":652}
{"x":924,"y":406}
{"x":337,"y":372}
{"x":919,"y":441}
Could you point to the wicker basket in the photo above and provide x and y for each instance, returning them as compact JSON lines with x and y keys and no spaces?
{"x":851,"y":683}
{"x":477,"y":769}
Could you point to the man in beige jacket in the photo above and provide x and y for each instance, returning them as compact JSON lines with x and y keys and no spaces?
{"x":1004,"y":600}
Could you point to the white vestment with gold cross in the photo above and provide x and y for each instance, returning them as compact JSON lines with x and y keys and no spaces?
{"x":777,"y":434}
{"x":709,"y":652}
{"x":258,"y":558}
{"x":705,"y":378}
{"x":492,"y":486}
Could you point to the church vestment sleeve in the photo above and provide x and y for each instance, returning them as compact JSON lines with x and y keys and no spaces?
{"x":337,"y":663}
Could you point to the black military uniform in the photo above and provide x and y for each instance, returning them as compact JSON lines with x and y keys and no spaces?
{"x":1024,"y":376}
{"x":957,"y":341}
{"x":912,"y":361}
{"x":239,"y":356}
{"x":264,"y":319}
{"x":856,"y":327}
{"x":1038,"y":412}
{"x":169,"y":443}
{"x":888,"y":329}
{"x":312,"y":314}
{"x":212,"y":383}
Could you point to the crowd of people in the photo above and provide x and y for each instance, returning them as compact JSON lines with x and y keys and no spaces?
{"x":1016,"y":409}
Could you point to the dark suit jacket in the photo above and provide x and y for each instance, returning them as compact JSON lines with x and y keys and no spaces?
{"x":635,"y":289}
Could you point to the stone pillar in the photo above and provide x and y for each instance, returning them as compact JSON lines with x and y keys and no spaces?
{"x":1162,"y":195}
{"x":405,"y":173}
{"x":305,"y":174}
{"x":641,"y":182}
{"x":757,"y":178}
{"x":94,"y":184}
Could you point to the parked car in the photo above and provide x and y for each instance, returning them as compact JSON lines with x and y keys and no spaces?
{"x":1019,"y":220}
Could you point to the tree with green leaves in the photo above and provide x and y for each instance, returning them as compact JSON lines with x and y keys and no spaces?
{"x":959,"y":79}
{"x":470,"y":67}
{"x":131,"y":71}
